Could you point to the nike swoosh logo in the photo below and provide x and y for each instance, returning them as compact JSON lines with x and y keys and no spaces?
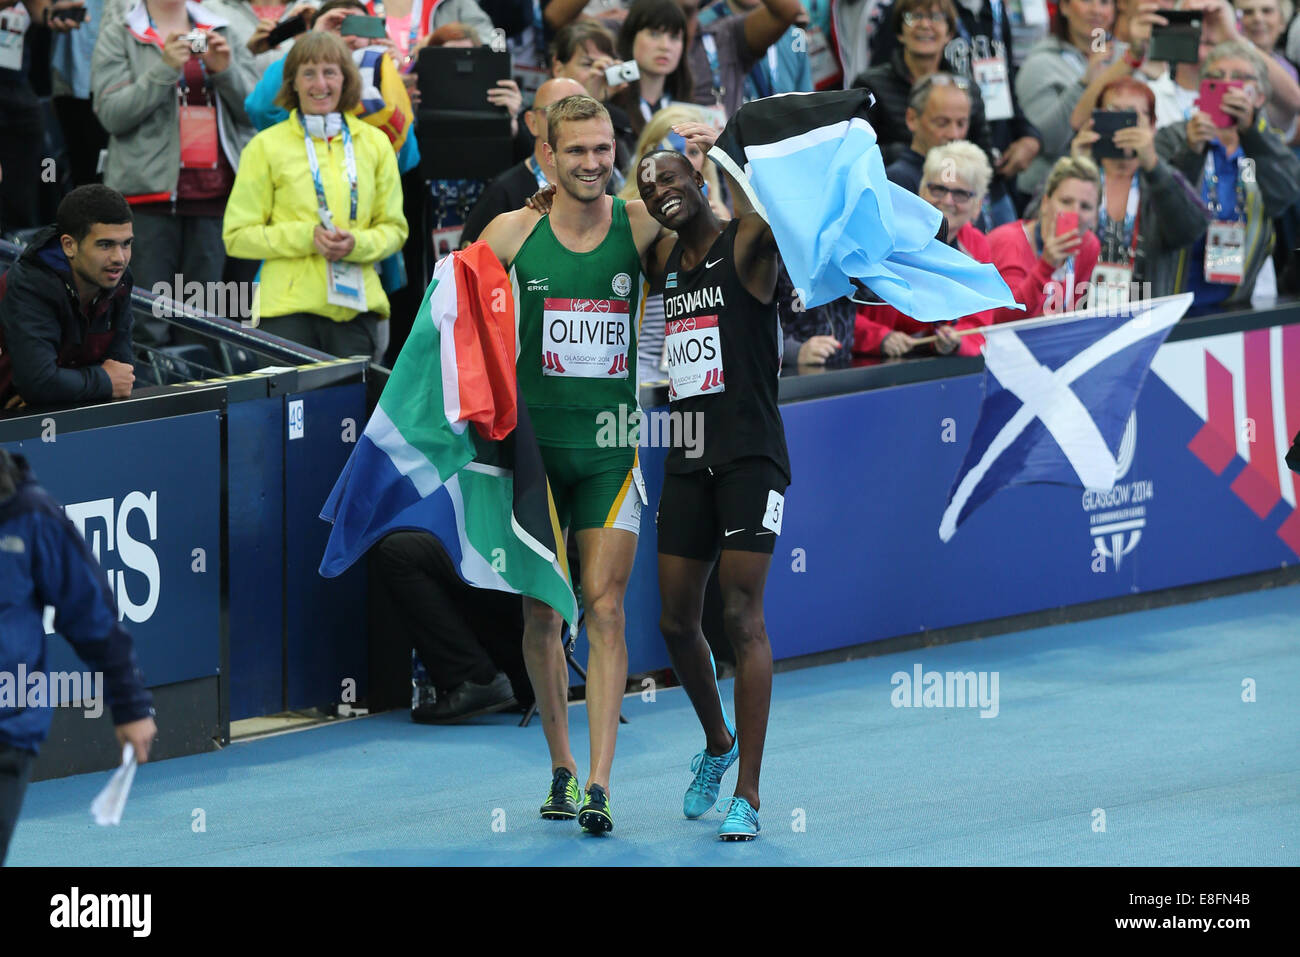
{"x":765,"y":533}
{"x":727,"y":534}
{"x":709,"y":265}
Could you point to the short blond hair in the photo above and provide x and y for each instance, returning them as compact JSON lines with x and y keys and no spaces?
{"x":964,"y":159}
{"x":316,"y":46}
{"x":574,"y":109}
{"x":1072,"y":167}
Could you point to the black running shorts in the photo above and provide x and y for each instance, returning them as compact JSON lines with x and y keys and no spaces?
{"x":734,"y":506}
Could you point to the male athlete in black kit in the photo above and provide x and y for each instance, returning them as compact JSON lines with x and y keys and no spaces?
{"x":723,"y":342}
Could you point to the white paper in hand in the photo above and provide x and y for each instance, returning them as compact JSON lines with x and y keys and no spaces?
{"x":108,"y":807}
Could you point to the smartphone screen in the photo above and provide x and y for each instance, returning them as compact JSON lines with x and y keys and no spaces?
{"x":372,"y":28}
{"x":1066,"y":222}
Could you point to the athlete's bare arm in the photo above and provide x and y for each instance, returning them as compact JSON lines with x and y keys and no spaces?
{"x":507,"y":232}
{"x":653,"y":241}
{"x":756,"y":252}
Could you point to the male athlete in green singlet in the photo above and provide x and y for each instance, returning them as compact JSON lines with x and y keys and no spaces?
{"x":577,"y":285}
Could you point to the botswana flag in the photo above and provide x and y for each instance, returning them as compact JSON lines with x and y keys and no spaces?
{"x":481,"y":491}
{"x":811,"y":167}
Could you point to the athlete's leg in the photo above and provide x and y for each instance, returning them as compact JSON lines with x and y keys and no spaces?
{"x":607,"y":555}
{"x":549,"y":674}
{"x":742,"y":576}
{"x":681,"y":597}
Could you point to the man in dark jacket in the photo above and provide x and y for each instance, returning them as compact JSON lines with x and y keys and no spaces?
{"x":44,"y":561}
{"x":65,"y":307}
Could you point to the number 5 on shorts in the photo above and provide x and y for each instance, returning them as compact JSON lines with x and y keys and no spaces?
{"x":772,"y":517}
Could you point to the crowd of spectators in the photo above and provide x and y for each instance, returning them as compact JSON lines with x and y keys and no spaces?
{"x":1052,"y":144}
{"x":184,"y":141}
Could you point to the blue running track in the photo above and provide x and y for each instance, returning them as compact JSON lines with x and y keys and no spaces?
{"x":1139,"y":717}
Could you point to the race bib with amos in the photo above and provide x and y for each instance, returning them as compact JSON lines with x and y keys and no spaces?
{"x":586,"y":338}
{"x":694,"y":350}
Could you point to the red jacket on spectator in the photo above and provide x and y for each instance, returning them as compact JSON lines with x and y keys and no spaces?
{"x":874,"y":323}
{"x":1030,"y":277}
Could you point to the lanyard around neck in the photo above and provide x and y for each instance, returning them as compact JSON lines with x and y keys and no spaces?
{"x":350,"y":161}
{"x":1128,"y":233}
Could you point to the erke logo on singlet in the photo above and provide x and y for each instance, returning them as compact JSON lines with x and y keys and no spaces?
{"x":538,"y":285}
{"x":586,"y":338}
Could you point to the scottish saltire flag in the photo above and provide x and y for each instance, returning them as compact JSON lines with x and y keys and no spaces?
{"x":481,"y":491}
{"x":1058,"y":394}
{"x":810,"y":166}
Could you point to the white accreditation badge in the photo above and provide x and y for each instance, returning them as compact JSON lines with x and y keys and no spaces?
{"x":1225,"y":252}
{"x":14,"y":22}
{"x":346,"y":286}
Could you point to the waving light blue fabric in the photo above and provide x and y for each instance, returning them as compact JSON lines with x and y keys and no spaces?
{"x":811,"y":166}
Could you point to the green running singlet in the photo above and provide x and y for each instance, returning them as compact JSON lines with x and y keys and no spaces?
{"x":576,"y":317}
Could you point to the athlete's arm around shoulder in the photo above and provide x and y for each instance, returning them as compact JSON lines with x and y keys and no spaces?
{"x":653,"y":241}
{"x":507,"y":232}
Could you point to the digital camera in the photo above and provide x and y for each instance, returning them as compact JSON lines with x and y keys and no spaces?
{"x":622,"y":73}
{"x":198,"y":41}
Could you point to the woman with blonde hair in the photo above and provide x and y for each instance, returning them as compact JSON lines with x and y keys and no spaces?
{"x":318,"y":197}
{"x":955,"y":179}
{"x":1046,"y":261}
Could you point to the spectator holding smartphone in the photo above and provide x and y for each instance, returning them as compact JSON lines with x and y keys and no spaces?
{"x":169,"y":87}
{"x":384,"y":102}
{"x":1046,"y":260}
{"x":1263,"y":22}
{"x":1056,"y":74}
{"x":1245,"y":174}
{"x":411,"y":22}
{"x":1148,"y":212}
{"x":318,"y":197}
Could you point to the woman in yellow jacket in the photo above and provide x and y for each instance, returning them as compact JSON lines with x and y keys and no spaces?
{"x":318,"y":197}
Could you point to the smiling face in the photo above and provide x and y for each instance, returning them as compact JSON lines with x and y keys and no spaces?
{"x":583,"y":156}
{"x":925,"y":31}
{"x":953,"y":196}
{"x":670,"y":188}
{"x":102,"y":255}
{"x":1261,"y":21}
{"x":657,"y":51}
{"x":1085,"y":17}
{"x":319,"y":86}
